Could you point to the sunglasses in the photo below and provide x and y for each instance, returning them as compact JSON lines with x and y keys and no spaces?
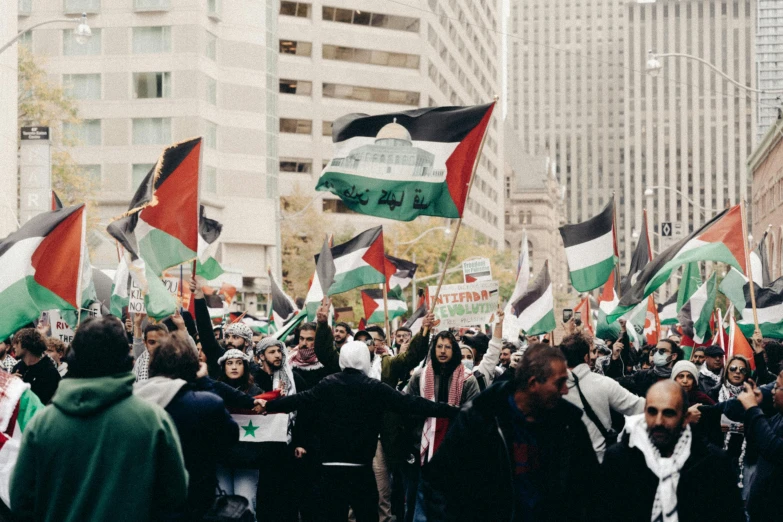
{"x":662,"y":351}
{"x":740,"y":369}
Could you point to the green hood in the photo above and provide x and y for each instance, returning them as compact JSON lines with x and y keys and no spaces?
{"x":86,"y":397}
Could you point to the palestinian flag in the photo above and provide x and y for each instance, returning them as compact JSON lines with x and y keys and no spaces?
{"x":667,"y":312}
{"x":732,"y":286}
{"x":415,"y":321}
{"x":759,"y":263}
{"x":120,"y":289}
{"x":403,"y":275}
{"x":769,"y":307}
{"x":406,"y":164}
{"x":362,"y":324}
{"x":314,"y":297}
{"x":641,"y":256}
{"x":695,"y":315}
{"x":283,"y":307}
{"x":608,"y":299}
{"x":536,"y":308}
{"x":255,"y":427}
{"x":591,"y":250}
{"x":208,"y":232}
{"x":738,"y":343}
{"x":161,"y":225}
{"x":41,"y":267}
{"x":689,"y":283}
{"x":324,"y":267}
{"x":283,"y":331}
{"x":372,"y":300}
{"x":721,"y":239}
{"x":358,"y":262}
{"x":587,"y":317}
{"x":57,"y":204}
{"x":510,"y":321}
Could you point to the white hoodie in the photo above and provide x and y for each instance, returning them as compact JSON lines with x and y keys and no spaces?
{"x":158,"y":390}
{"x":355,"y":355}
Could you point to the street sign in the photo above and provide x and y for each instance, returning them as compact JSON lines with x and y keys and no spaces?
{"x":35,"y":133}
{"x":666,"y":229}
{"x":678,"y":230}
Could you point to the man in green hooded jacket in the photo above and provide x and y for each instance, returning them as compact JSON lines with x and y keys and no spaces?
{"x":98,"y":452}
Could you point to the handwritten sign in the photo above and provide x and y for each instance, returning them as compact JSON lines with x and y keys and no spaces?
{"x":136,"y":299}
{"x":466,"y":304}
{"x":477,"y":270}
{"x":60,"y":329}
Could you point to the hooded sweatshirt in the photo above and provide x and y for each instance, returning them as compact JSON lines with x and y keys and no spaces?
{"x":97,"y":454}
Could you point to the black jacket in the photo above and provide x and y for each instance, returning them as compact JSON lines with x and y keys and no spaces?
{"x":707,"y":489}
{"x":43,"y":377}
{"x":349,"y":407}
{"x":206,"y":431}
{"x":766,"y":437}
{"x":470,"y":476}
{"x":641,"y":381}
{"x":209,"y":345}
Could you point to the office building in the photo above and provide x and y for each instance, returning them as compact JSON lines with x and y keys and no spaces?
{"x":769,"y":62}
{"x":8,"y":127}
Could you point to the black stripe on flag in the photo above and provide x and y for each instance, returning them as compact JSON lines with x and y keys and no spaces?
{"x":765,"y":297}
{"x":435,"y":124}
{"x":38,"y":226}
{"x":534,"y":292}
{"x":671,"y":300}
{"x":405,"y":269}
{"x":281,"y":303}
{"x":593,"y":228}
{"x":208,"y":229}
{"x":363,"y":240}
{"x":418,"y":315}
{"x":641,"y":256}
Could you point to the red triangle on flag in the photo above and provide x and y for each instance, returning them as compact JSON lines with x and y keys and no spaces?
{"x":369,"y":304}
{"x":729,"y":231}
{"x":58,"y":258}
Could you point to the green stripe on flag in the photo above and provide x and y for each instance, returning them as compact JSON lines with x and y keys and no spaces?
{"x":545,"y":325}
{"x":160,"y":251}
{"x":770,"y":330}
{"x":23,"y":301}
{"x":593,"y":276}
{"x":365,"y":275}
{"x":210,"y":269}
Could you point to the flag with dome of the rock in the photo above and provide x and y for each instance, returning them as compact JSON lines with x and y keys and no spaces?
{"x":406,"y":164}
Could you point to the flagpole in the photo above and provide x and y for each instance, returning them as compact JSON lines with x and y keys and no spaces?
{"x":386,"y":312}
{"x":614,"y":239}
{"x":459,"y":221}
{"x":757,"y":330}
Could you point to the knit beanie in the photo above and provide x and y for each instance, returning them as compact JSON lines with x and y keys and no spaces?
{"x":685,"y":366}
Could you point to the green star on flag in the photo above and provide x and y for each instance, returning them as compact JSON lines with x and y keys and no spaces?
{"x":250,"y":430}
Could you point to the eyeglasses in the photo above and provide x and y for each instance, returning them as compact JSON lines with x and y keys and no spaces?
{"x":740,"y":369}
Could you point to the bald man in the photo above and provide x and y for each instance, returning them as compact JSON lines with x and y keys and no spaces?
{"x":668,"y":474}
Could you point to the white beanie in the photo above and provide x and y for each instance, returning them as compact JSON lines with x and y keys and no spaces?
{"x":355,"y":355}
{"x":685,"y":366}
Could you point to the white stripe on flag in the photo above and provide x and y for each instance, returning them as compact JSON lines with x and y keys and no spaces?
{"x":262,"y":428}
{"x":591,"y":252}
{"x":350,"y":261}
{"x":770,"y":314}
{"x":15,"y":263}
{"x":537,"y":310}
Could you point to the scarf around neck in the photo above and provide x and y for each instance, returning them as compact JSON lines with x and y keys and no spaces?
{"x":666,"y":469}
{"x":729,"y":391}
{"x":662,"y":372}
{"x":305,"y":359}
{"x":435,"y":428}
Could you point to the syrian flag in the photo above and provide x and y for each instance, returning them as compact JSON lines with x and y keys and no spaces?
{"x":415,"y":321}
{"x":283,"y":307}
{"x":407,"y":164}
{"x":372,"y":300}
{"x":161,"y":225}
{"x":641,"y":256}
{"x":41,"y":267}
{"x":403,"y":275}
{"x":208,"y":233}
{"x":759,"y":263}
{"x":358,"y":262}
{"x":721,"y":239}
{"x":738,"y":343}
{"x":695,"y":315}
{"x":733,"y":286}
{"x":536,"y":308}
{"x":769,"y":307}
{"x":591,"y":250}
{"x":255,"y":427}
{"x":120,"y":289}
{"x":667,"y":312}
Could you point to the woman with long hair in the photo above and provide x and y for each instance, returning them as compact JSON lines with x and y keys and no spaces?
{"x":735,"y":375}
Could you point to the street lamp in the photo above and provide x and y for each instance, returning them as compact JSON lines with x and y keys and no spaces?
{"x":81,"y":34}
{"x":446,"y":230}
{"x":654,"y":67}
{"x":649,"y":193}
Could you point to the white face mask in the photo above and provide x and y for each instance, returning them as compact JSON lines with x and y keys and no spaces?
{"x":660,"y":359}
{"x":468,"y":363}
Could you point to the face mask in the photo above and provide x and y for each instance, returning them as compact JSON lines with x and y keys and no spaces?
{"x":660,"y":359}
{"x":468,"y":363}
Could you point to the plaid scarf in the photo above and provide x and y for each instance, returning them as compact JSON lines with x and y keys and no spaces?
{"x":435,"y":429}
{"x":305,"y":359}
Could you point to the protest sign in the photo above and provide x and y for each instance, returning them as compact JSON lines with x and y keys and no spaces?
{"x":477,"y":270}
{"x":136,"y":299}
{"x":60,"y":329}
{"x":465,"y":304}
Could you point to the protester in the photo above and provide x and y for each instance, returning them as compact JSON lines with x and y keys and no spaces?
{"x":485,"y":369}
{"x":55,"y":350}
{"x":735,"y":375}
{"x":666,"y":353}
{"x":595,"y":394}
{"x":765,"y":436}
{"x":204,"y":426}
{"x":350,"y":406}
{"x":239,"y":336}
{"x":342,"y":332}
{"x":659,"y":471}
{"x":33,"y":366}
{"x":99,"y":453}
{"x":143,"y":347}
{"x":517,"y":452}
{"x":710,"y":373}
{"x":467,"y":357}
{"x":505,"y":357}
{"x":698,"y":357}
{"x":704,"y":420}
{"x":303,"y":358}
{"x":686,"y":374}
{"x":402,"y":335}
{"x":7,"y":362}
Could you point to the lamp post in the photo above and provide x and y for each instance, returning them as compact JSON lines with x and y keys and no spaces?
{"x":446,"y":230}
{"x":82,"y":33}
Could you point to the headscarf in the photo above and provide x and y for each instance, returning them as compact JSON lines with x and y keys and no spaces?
{"x":241,"y":330}
{"x":355,"y":355}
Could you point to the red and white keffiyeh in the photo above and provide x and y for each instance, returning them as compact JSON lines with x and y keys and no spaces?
{"x":434,"y":428}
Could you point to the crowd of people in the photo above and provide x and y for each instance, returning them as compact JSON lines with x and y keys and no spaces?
{"x":180,"y":420}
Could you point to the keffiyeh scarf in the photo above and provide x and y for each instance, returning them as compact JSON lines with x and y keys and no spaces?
{"x":305,"y":359}
{"x":435,"y":428}
{"x":666,"y":469}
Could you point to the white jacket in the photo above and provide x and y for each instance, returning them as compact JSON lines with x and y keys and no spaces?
{"x":603,"y":394}
{"x":489,"y":362}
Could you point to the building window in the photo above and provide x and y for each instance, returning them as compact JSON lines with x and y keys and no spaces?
{"x":210,"y":179}
{"x":87,"y":133}
{"x":149,"y":40}
{"x":299,"y":9}
{"x":294,"y":126}
{"x":83,"y":86}
{"x":357,"y":17}
{"x":25,"y":7}
{"x":211,"y":49}
{"x":296,"y":48}
{"x":152,"y":85}
{"x":302,"y":87}
{"x":214,"y":8}
{"x":26,"y":40}
{"x":92,"y":172}
{"x":151,"y":5}
{"x":139,"y":171}
{"x":302,"y":166}
{"x":91,"y":47}
{"x":337,"y":206}
{"x":351,"y":54}
{"x":211,"y":94}
{"x":326,"y":128}
{"x":351,"y":92}
{"x":151,"y":131}
{"x":210,"y":135}
{"x":82,"y":6}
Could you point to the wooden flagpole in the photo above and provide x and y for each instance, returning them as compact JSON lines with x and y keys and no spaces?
{"x":386,"y":324}
{"x":459,"y":221}
{"x":749,"y":270}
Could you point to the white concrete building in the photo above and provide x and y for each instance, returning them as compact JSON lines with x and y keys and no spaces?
{"x":8,"y":111}
{"x":371,"y":56}
{"x":769,"y":62}
{"x":159,"y":71}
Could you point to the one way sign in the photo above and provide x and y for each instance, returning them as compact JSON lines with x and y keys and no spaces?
{"x":666,"y":229}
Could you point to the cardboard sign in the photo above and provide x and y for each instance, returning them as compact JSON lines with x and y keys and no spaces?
{"x":59,"y":328}
{"x":136,"y":299}
{"x":477,"y":270}
{"x":466,"y":304}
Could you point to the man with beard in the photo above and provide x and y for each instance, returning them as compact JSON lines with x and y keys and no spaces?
{"x":659,"y":471}
{"x":402,"y":336}
{"x":505,"y":357}
{"x":666,"y":353}
{"x":698,"y":357}
{"x":341,"y":332}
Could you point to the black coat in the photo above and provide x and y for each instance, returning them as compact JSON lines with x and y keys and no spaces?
{"x":206,"y":431}
{"x":348,"y":407}
{"x":470,"y":476}
{"x":707,"y":489}
{"x":766,"y":437}
{"x":641,"y":381}
{"x":43,"y":377}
